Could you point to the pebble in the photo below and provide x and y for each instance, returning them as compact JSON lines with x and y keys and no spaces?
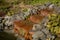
{"x":42,"y":7}
{"x":47,"y":4}
{"x":37,"y":27}
{"x":51,"y":6}
{"x":38,"y":34}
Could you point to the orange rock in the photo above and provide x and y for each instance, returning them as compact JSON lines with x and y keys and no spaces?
{"x":36,"y":18}
{"x":44,"y":12}
{"x":25,"y":27}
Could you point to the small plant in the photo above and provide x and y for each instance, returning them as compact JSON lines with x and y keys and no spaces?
{"x":54,"y":23}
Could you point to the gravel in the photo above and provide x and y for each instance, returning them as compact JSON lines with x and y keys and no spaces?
{"x":41,"y":32}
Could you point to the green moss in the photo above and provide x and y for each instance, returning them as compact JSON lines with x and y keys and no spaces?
{"x":43,"y":1}
{"x":53,"y":23}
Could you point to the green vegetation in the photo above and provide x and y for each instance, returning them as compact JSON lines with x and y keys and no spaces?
{"x":6,"y":5}
{"x":54,"y":23}
{"x":42,"y":1}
